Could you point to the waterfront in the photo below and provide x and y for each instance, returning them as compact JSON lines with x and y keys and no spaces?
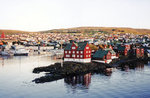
{"x":16,"y":81}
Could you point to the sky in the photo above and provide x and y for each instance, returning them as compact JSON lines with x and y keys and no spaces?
{"x":39,"y":15}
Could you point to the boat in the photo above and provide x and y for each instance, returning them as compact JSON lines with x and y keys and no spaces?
{"x":4,"y":53}
{"x":19,"y":51}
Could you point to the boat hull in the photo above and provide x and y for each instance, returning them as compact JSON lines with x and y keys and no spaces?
{"x":22,"y":54}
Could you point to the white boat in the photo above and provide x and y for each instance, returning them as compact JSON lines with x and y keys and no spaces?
{"x":6,"y":53}
{"x":20,"y":51}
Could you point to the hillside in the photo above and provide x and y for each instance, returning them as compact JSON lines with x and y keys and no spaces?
{"x":8,"y":32}
{"x":86,"y":30}
{"x":99,"y":29}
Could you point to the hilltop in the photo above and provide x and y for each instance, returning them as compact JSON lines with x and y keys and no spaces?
{"x":99,"y":29}
{"x":85,"y":30}
{"x":8,"y":32}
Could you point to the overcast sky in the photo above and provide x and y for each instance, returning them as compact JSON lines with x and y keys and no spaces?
{"x":37,"y":15}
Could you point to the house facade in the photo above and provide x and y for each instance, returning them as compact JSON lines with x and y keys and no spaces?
{"x":77,"y":52}
{"x":122,"y":50}
{"x":139,"y":52}
{"x":103,"y":56}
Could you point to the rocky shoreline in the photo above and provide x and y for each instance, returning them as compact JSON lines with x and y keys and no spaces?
{"x":56,"y":71}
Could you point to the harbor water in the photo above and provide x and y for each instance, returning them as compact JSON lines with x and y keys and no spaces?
{"x":16,"y":81}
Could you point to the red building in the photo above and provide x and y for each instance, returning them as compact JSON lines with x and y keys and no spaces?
{"x":139,"y":52}
{"x":3,"y":35}
{"x":77,"y":52}
{"x":123,"y":50}
{"x":127,"y":46}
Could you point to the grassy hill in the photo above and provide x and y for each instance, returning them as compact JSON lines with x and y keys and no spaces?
{"x":8,"y":32}
{"x":86,"y":30}
{"x":100,"y":29}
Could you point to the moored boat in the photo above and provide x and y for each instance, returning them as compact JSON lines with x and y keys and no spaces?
{"x":20,"y":51}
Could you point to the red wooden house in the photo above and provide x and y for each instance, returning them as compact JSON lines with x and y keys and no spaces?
{"x":77,"y":52}
{"x":139,"y":52}
{"x":122,"y":50}
{"x":103,"y":56}
{"x":127,"y":46}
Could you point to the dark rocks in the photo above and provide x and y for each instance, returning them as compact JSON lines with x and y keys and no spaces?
{"x":55,"y":71}
{"x":69,"y":69}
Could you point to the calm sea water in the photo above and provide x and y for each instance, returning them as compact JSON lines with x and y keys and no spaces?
{"x":16,"y":81}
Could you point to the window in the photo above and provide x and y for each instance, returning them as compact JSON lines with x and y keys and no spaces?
{"x":77,"y":52}
{"x":86,"y":55}
{"x":87,"y":47}
{"x":89,"y":55}
{"x":81,"y":52}
{"x":81,"y":56}
{"x":73,"y":55}
{"x":86,"y":51}
{"x":77,"y":55}
{"x":73,"y":52}
{"x":89,"y":51}
{"x":67,"y":55}
{"x":65,"y":51}
{"x":73,"y":47}
{"x":69,"y":51}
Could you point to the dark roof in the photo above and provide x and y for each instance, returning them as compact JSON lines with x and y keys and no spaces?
{"x":100,"y":54}
{"x":81,"y":45}
{"x":68,"y":47}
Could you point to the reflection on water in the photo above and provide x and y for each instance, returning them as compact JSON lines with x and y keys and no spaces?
{"x":136,"y":66}
{"x":127,"y":82}
{"x":3,"y":58}
{"x":84,"y":80}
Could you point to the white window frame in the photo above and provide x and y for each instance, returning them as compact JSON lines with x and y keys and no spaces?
{"x":73,"y":51}
{"x":77,"y":55}
{"x":89,"y":51}
{"x":65,"y":51}
{"x":67,"y":55}
{"x":87,"y":47}
{"x":73,"y":47}
{"x":69,"y":51}
{"x":81,"y":52}
{"x":81,"y":56}
{"x":77,"y":52}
